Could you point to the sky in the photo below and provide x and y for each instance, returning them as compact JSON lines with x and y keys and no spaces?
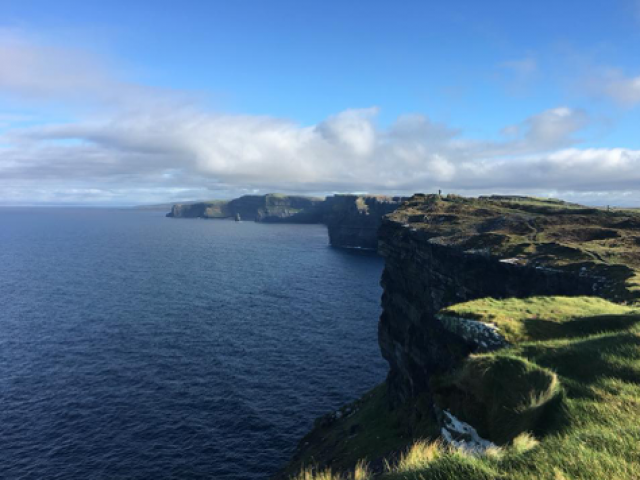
{"x":142,"y":102}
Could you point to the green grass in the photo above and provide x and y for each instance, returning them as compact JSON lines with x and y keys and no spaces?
{"x":370,"y":434}
{"x":545,"y":318}
{"x":541,"y":233}
{"x":503,"y":396}
{"x":360,"y":472}
{"x":595,"y":432}
{"x":577,"y":390}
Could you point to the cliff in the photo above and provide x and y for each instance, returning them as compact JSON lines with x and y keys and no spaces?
{"x":506,"y":323}
{"x":352,"y":220}
{"x":443,"y":251}
{"x":260,"y":208}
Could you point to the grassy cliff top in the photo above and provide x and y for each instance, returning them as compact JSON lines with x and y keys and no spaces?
{"x":562,"y":404}
{"x":544,"y":233}
{"x":546,"y":318}
{"x":572,"y":376}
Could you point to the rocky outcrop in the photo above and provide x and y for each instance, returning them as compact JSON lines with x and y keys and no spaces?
{"x":353,"y":220}
{"x":443,"y":251}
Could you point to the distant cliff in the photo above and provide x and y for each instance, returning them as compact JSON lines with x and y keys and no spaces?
{"x":259,"y":208}
{"x":352,"y":220}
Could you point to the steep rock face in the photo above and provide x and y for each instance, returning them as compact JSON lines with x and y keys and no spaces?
{"x":353,"y":220}
{"x":188,"y":210}
{"x":293,"y":209}
{"x":259,"y":208}
{"x":443,"y":251}
{"x":213,"y":209}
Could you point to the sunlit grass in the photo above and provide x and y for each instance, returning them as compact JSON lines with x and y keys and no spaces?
{"x":361,"y":472}
{"x":544,"y":318}
{"x":561,"y":407}
{"x":418,"y":456}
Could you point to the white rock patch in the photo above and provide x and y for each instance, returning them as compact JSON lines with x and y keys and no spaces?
{"x":461,"y":435}
{"x":486,"y":335}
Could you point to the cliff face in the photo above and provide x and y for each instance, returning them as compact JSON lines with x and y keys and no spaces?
{"x":353,"y":220}
{"x":259,"y":208}
{"x":443,"y":251}
{"x":277,"y":208}
{"x":215,"y":209}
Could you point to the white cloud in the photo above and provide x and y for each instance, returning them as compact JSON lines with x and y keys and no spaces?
{"x":615,"y":85}
{"x":624,"y":90}
{"x":33,"y":71}
{"x":352,"y":129}
{"x":139,"y":144}
{"x":193,"y":151}
{"x":548,"y":130}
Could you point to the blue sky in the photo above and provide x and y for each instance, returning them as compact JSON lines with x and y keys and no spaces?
{"x":134,"y":102}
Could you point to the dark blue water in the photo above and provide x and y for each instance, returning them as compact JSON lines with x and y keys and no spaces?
{"x":136,"y":346}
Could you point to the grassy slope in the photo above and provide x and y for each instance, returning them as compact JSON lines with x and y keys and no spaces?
{"x":544,"y":318}
{"x":599,"y":434}
{"x":371,"y":433}
{"x":596,"y":434}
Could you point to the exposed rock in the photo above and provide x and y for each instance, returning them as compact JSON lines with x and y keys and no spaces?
{"x":483,"y":337}
{"x":461,"y":435}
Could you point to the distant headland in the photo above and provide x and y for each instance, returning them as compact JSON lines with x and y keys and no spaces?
{"x":352,"y":220}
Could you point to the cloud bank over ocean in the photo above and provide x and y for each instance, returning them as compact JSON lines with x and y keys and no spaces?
{"x":99,"y":139}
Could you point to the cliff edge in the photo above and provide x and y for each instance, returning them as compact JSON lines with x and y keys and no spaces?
{"x":440,"y":251}
{"x":512,"y":330}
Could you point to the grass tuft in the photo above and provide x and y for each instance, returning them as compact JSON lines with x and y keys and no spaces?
{"x":361,"y":472}
{"x":524,"y":443}
{"x":310,"y":473}
{"x":418,"y":456}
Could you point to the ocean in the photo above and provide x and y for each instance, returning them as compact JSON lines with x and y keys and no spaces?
{"x":141,"y":347}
